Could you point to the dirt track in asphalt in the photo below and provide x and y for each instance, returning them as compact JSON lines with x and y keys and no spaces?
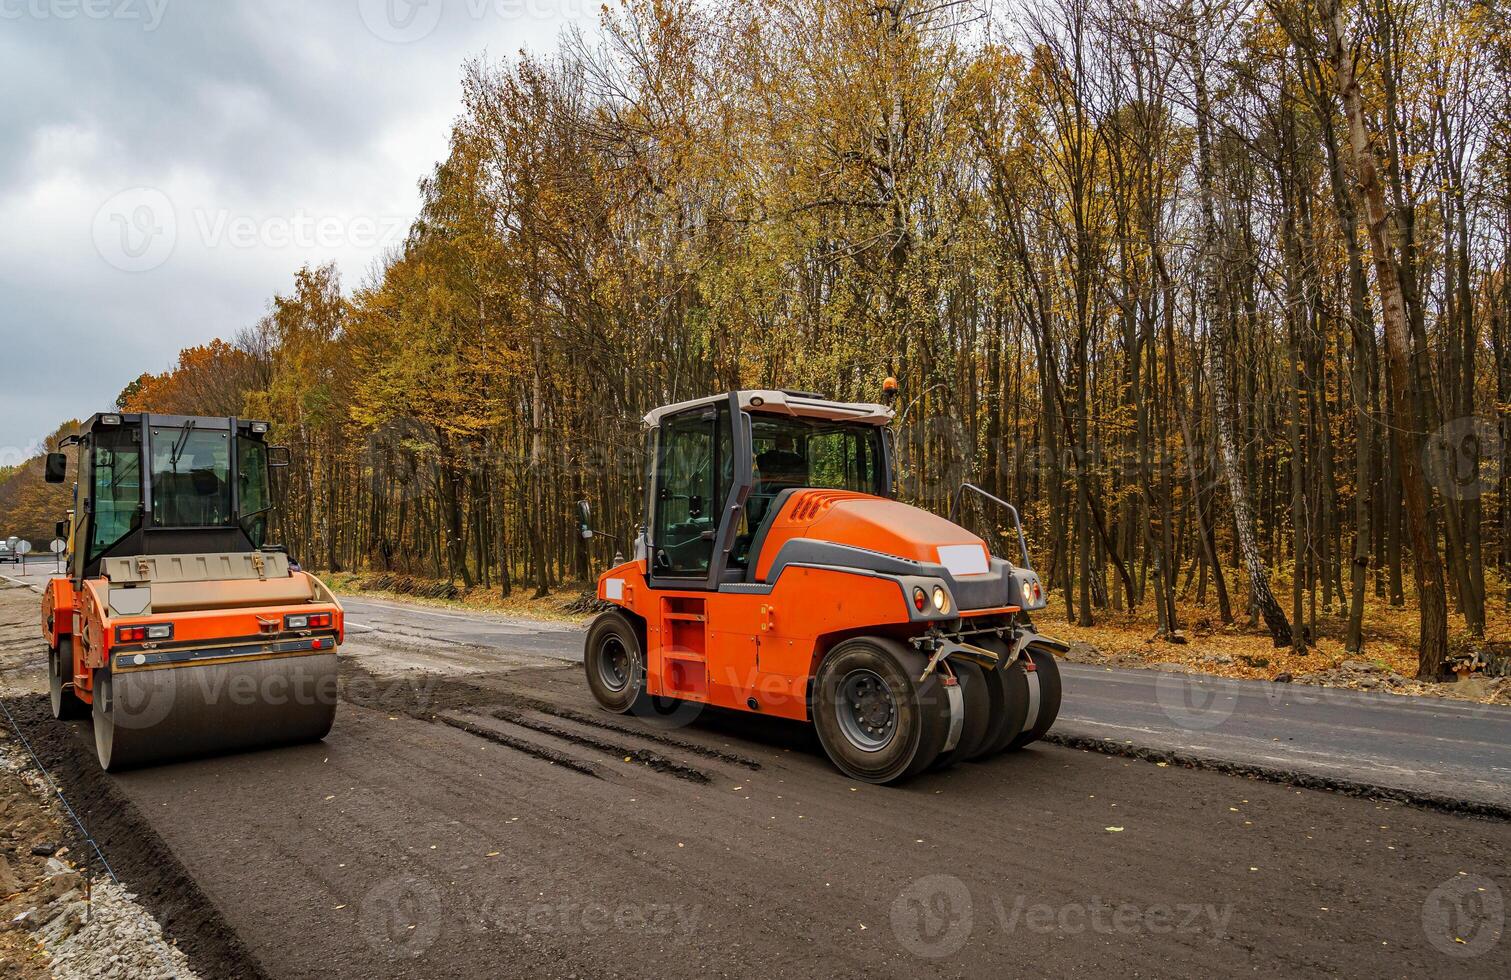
{"x":427,"y":837}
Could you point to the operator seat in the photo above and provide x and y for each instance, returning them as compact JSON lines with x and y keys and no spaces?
{"x":781,"y":468}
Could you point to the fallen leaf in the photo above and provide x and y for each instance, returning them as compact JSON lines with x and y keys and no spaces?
{"x":1114,"y":830}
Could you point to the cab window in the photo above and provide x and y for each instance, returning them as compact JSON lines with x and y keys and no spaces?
{"x":115,"y":462}
{"x":253,"y":494}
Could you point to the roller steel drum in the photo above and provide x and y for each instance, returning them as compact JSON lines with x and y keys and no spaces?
{"x":147,"y":716}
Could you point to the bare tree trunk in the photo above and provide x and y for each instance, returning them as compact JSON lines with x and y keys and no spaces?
{"x":1238,"y":489}
{"x":1429,"y":566}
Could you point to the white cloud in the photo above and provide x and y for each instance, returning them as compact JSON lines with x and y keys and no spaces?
{"x":279,"y":133}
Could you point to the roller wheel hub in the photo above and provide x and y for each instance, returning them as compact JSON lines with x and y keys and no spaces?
{"x":614,"y":664}
{"x":866,"y":710}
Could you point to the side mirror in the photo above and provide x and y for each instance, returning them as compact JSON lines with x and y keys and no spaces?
{"x":57,"y":468}
{"x":60,"y":530}
{"x":584,"y":519}
{"x":279,"y":456}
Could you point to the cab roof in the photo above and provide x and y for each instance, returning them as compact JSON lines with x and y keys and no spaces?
{"x":108,"y":420}
{"x":803,"y":404}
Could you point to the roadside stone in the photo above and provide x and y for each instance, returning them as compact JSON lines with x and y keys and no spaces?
{"x":44,"y":850}
{"x":60,"y":885}
{"x":1221,"y":659}
{"x":1367,"y":683}
{"x":9,"y":883}
{"x":1083,"y":653}
{"x":1284,"y":677}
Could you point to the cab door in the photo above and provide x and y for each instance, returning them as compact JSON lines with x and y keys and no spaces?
{"x":691,"y":482}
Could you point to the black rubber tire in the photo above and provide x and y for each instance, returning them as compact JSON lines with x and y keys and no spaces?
{"x":997,"y":716}
{"x":978,"y":714}
{"x":611,"y":635}
{"x":66,"y":705}
{"x":921,"y":710}
{"x":1014,"y":707}
{"x":1048,"y":672}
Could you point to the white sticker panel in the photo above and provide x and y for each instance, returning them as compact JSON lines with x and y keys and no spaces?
{"x":613,"y":589}
{"x":963,"y":559}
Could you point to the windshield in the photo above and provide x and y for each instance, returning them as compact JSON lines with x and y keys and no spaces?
{"x":191,"y":477}
{"x":795,"y":452}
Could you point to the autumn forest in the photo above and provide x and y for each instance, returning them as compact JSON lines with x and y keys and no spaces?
{"x":1219,"y":293}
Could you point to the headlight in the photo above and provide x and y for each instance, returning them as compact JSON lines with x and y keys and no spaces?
{"x":941,"y":599}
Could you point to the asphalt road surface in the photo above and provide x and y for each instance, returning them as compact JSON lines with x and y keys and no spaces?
{"x":473,"y":814}
{"x":1428,"y":747}
{"x":1456,"y":750}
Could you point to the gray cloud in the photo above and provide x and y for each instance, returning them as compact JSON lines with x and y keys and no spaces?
{"x":268,"y":134}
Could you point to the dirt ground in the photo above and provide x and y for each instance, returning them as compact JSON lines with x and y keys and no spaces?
{"x":479,"y":816}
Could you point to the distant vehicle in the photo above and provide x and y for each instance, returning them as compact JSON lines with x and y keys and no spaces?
{"x":8,"y":554}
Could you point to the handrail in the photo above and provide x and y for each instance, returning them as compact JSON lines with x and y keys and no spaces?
{"x":1017,"y":522}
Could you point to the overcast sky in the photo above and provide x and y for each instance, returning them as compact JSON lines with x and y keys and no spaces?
{"x":167,"y":165}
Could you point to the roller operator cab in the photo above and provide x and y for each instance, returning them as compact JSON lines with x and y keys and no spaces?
{"x":776,"y":574}
{"x":178,"y":627}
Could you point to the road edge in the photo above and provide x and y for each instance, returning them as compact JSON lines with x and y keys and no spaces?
{"x":1270,"y":774}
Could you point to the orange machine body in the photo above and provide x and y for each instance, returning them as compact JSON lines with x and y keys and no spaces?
{"x":757,"y":651}
{"x":226,"y":629}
